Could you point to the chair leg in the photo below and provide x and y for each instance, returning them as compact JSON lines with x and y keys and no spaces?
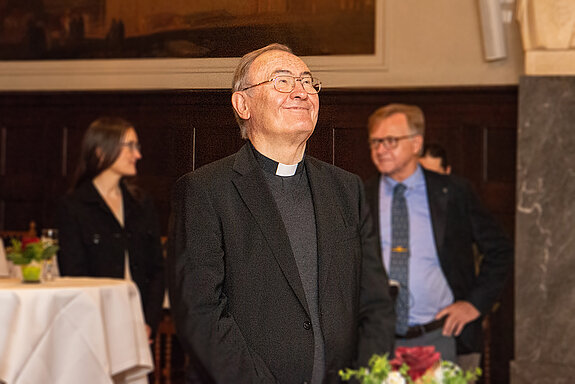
{"x":168,"y":368}
{"x":486,"y":375}
{"x":158,"y":359}
{"x":163,"y":351}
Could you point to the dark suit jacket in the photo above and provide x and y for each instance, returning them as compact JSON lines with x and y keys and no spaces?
{"x":459,"y":220}
{"x":92,"y":243}
{"x":235,"y":290}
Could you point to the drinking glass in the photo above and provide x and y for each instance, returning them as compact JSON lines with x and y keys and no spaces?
{"x":50,"y":236}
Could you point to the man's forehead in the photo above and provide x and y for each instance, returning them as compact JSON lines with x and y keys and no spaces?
{"x":397,"y":118}
{"x":279,"y":62}
{"x":288,"y":72}
{"x":396,"y":121}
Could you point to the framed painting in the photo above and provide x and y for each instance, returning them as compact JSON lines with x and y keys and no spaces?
{"x":103,"y":38}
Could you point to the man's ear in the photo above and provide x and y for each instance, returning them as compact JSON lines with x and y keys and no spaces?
{"x":240,"y":105}
{"x":418,"y":140}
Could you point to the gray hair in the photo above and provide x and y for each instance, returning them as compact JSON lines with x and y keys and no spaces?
{"x":241,"y":73}
{"x":413,"y":114}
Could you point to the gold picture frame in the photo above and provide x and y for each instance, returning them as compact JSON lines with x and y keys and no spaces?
{"x":173,"y":73}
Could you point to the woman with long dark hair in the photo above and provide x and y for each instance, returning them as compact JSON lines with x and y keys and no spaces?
{"x":107,"y":226}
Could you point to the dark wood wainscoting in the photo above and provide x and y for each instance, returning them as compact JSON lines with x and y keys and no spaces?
{"x":40,"y":134}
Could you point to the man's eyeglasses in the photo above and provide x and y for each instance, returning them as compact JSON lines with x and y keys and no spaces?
{"x":389,"y":142}
{"x":286,"y":84}
{"x":133,"y":145}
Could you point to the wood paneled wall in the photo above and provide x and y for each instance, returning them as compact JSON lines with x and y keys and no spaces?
{"x":40,"y":134}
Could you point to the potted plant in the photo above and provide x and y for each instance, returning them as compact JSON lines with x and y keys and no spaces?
{"x":30,"y":254}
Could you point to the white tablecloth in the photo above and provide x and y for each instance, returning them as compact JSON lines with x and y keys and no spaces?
{"x":72,"y":330}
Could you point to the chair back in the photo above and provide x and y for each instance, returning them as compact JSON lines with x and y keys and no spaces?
{"x":21,"y":233}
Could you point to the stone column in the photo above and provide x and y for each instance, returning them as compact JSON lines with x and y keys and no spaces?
{"x":545,"y":218}
{"x":545,"y":233}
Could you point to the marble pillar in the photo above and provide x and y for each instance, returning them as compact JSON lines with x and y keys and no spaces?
{"x":545,"y":232}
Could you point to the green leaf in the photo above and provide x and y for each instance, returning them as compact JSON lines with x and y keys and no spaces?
{"x":16,"y":246}
{"x":18,"y":259}
{"x":49,"y":251}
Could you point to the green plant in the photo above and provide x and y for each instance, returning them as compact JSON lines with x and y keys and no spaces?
{"x":29,"y":249}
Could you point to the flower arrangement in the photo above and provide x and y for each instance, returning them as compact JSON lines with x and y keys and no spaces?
{"x":29,"y":249}
{"x":412,"y":365}
{"x":29,"y":254}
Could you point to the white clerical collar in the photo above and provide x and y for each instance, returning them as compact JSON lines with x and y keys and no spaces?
{"x":286,"y":170}
{"x":275,"y":168}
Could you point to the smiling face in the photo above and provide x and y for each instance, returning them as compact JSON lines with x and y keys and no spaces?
{"x":273,"y":116}
{"x":125,"y":164}
{"x":398,"y":163}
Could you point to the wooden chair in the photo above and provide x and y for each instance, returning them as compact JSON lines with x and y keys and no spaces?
{"x":170,"y":360}
{"x":486,"y":374}
{"x":163,"y":343}
{"x":19,"y":234}
{"x":163,"y":350}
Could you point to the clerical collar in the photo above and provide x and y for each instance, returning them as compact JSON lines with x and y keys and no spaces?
{"x":276,"y":168}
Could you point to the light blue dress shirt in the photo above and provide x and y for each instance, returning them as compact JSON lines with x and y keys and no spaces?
{"x":429,"y":291}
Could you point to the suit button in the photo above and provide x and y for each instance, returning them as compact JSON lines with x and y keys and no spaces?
{"x":307,"y":325}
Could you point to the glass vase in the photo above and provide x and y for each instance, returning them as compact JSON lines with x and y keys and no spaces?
{"x":31,"y":273}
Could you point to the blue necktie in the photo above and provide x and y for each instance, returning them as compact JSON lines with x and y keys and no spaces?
{"x":399,"y":263}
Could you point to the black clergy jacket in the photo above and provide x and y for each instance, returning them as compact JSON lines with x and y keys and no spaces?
{"x":235,"y":291}
{"x":459,"y":221}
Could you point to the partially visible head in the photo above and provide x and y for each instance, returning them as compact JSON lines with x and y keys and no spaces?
{"x":434,"y":158}
{"x":396,"y":139}
{"x":413,"y":114}
{"x":264,"y":110}
{"x":109,"y":143}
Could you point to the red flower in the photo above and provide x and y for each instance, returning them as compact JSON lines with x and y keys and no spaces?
{"x":419,"y":359}
{"x":29,"y":240}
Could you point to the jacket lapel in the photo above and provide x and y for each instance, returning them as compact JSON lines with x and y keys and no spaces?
{"x":88,"y":194}
{"x":328,"y":217}
{"x":253,"y":190}
{"x":437,"y":193}
{"x":372,"y":195}
{"x":130,"y":205}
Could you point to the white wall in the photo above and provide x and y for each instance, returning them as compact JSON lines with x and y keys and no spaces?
{"x":439,"y":43}
{"x":422,"y":43}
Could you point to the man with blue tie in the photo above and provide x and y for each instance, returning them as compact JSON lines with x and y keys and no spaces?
{"x":428,"y":224}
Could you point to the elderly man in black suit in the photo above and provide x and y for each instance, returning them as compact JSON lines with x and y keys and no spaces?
{"x":443,"y":298}
{"x":275,"y":272}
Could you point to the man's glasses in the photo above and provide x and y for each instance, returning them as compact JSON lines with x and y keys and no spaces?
{"x":286,"y":84}
{"x":389,"y":142}
{"x":133,"y":145}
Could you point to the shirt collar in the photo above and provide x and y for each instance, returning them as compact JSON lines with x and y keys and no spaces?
{"x":415,"y":180}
